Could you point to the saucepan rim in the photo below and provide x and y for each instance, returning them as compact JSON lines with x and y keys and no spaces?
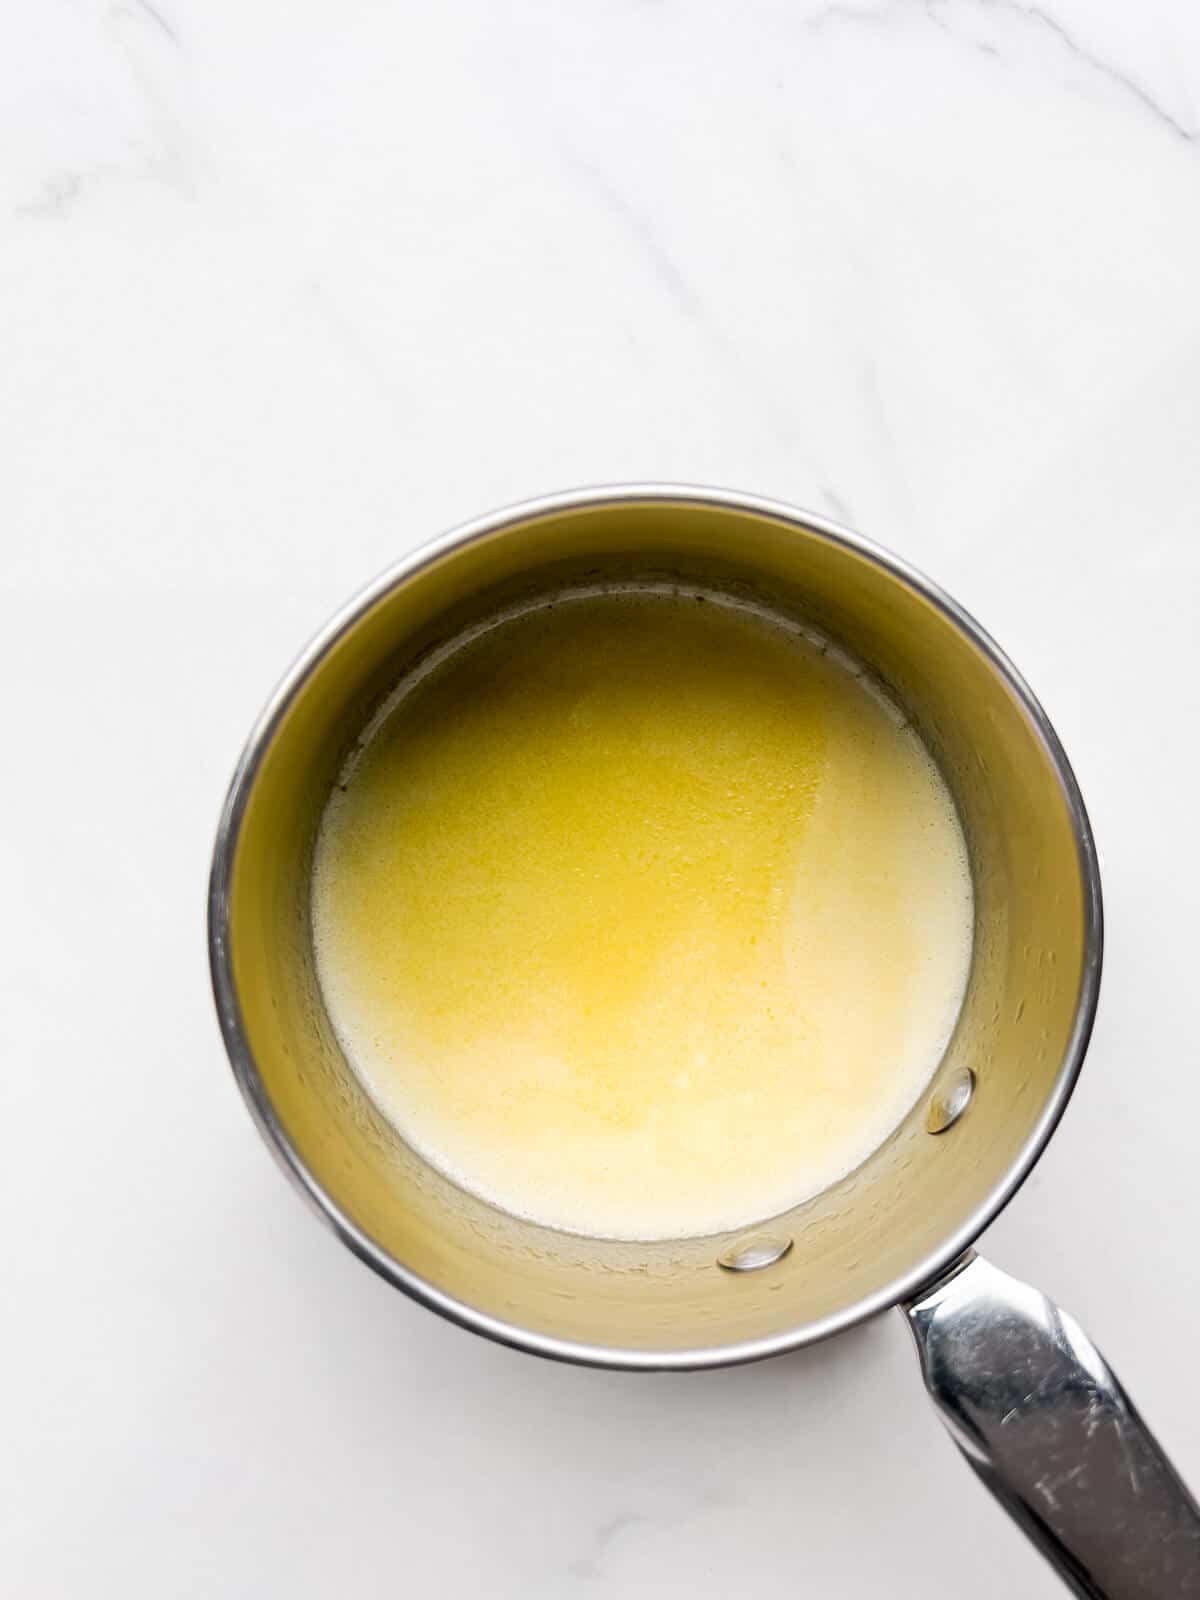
{"x":903,"y":1287}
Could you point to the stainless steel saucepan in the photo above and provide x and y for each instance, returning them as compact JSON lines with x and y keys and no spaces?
{"x":1026,"y":1396}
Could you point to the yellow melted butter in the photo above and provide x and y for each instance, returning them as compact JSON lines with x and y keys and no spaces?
{"x":642,"y":917}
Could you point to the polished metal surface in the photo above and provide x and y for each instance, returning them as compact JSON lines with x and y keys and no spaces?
{"x":1044,"y":1422}
{"x":950,"y":1100}
{"x":754,"y":1252}
{"x":871,"y":1240}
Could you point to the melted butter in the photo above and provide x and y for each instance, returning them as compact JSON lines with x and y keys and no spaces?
{"x":642,"y":917}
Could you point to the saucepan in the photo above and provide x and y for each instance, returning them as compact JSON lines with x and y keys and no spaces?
{"x":1026,"y":1396}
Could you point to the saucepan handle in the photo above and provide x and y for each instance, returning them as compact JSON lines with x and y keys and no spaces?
{"x":1042,"y":1419}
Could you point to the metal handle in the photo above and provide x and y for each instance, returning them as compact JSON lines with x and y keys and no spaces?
{"x":1042,"y":1419}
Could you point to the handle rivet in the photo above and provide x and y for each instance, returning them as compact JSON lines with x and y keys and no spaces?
{"x":951,"y":1100}
{"x":754,"y":1251}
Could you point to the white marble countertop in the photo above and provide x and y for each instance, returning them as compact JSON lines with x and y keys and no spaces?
{"x":284,"y":290}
